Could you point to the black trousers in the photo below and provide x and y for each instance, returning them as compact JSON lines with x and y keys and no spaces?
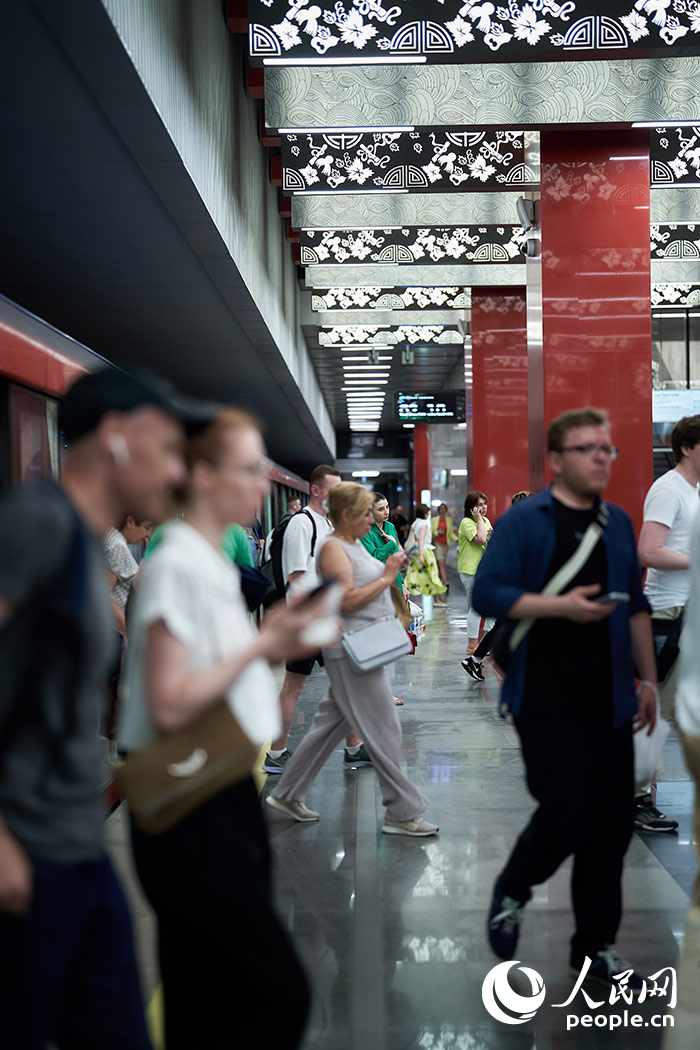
{"x":227,"y":963}
{"x":582,"y":774}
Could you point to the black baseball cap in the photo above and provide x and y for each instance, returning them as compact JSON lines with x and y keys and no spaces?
{"x":113,"y":390}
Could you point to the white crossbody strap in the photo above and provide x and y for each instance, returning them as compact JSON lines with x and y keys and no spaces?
{"x":568,"y":571}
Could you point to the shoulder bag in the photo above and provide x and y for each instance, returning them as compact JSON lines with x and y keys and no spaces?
{"x":375,"y":644}
{"x":509,"y":633}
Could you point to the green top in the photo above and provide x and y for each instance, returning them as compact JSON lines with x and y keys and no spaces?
{"x":378,"y":548}
{"x":234,"y":544}
{"x":470,"y":553}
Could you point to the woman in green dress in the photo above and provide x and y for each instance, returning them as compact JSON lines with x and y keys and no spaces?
{"x":423,"y":576}
{"x":382,"y":541}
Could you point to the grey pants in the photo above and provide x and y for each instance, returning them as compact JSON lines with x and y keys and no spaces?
{"x":362,"y":703}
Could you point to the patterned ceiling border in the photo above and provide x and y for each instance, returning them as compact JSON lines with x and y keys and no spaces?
{"x":439,"y":161}
{"x":675,"y":294}
{"x":377,"y":211}
{"x":377,"y":298}
{"x":456,"y":31}
{"x":427,"y":245}
{"x":676,"y":241}
{"x":345,"y":335}
{"x":675,"y":156}
{"x":521,"y":95}
{"x":416,"y":276}
{"x":678,"y":205}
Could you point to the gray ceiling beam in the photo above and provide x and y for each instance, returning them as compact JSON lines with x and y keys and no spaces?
{"x":520,"y":95}
{"x":338,"y":211}
{"x":429,"y":276}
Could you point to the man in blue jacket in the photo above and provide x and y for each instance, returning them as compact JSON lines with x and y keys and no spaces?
{"x":570,"y":688}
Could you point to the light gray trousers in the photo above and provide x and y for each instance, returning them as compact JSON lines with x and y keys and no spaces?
{"x":362,"y":703}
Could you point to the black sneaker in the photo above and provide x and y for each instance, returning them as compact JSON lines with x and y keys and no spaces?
{"x":473,"y":669}
{"x":361,"y":758}
{"x":276,"y":765}
{"x":608,"y":970}
{"x":503,"y":927}
{"x":648,"y":818}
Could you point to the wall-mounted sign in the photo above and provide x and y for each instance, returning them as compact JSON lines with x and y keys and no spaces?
{"x":668,"y":406}
{"x":443,"y":406}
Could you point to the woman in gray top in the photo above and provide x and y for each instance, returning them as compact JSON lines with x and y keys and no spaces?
{"x":356,"y":701}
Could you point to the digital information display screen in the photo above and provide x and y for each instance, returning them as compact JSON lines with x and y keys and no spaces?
{"x":447,"y":406}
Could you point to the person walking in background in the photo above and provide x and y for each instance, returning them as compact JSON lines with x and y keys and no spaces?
{"x":302,"y":540}
{"x":443,"y":537}
{"x":355,"y":700}
{"x":293,"y":507}
{"x":570,"y":688}
{"x":472,"y":663}
{"x":400,"y":523}
{"x":670,"y":508}
{"x":422,"y":576}
{"x":474,"y":533}
{"x":192,"y":642}
{"x":68,"y":974}
{"x":381,"y":541}
{"x":121,"y":565}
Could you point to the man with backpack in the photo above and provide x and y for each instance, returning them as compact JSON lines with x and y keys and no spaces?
{"x":293,"y":549}
{"x":68,"y":973}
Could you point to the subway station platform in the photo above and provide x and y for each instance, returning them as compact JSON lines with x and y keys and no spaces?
{"x":392,"y":930}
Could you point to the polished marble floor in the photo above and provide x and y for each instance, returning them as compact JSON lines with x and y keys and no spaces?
{"x":392,"y":929}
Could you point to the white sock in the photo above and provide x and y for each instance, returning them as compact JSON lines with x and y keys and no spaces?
{"x":477,"y":659}
{"x":353,"y":750}
{"x":276,"y":754}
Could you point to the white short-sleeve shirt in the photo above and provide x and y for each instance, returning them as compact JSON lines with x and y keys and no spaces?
{"x":196,"y":591}
{"x":120,"y":561}
{"x":296,"y":547}
{"x":671,"y":501}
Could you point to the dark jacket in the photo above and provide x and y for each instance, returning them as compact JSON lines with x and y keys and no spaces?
{"x":516,"y":562}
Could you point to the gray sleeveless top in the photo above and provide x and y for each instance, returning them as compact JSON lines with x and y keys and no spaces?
{"x":365,"y":569}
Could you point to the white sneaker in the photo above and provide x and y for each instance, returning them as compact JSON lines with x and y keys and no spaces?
{"x":293,"y":808}
{"x":417,"y":828}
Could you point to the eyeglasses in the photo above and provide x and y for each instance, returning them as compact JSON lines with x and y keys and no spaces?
{"x":609,"y":451}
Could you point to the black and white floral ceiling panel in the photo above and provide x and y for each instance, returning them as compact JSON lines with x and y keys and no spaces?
{"x":675,"y":240}
{"x":286,"y":32}
{"x":439,"y":161}
{"x":404,"y":245}
{"x":386,"y":335}
{"x":675,"y":154}
{"x":376,"y":298}
{"x":675,"y":295}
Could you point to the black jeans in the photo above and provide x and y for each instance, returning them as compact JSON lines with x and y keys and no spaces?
{"x":227,"y":963}
{"x":582,"y":774}
{"x":67,"y":969}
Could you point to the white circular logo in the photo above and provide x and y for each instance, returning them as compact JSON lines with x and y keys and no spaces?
{"x":506,"y":1005}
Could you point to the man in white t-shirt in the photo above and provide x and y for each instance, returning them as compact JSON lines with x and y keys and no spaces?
{"x":664,"y":548}
{"x":302,"y":539}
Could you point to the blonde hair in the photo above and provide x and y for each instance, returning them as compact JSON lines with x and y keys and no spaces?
{"x":351,"y":497}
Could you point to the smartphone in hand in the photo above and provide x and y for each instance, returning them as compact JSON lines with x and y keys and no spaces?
{"x":612,"y":596}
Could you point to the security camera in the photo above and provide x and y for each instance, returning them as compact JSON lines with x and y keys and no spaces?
{"x":526,"y":212}
{"x":530,"y":248}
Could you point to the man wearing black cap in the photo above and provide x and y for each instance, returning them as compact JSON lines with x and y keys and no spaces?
{"x":67,"y":968}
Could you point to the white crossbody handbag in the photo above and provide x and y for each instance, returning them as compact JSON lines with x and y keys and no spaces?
{"x":375,"y":644}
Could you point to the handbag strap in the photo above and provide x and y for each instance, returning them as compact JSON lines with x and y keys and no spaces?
{"x":568,"y":570}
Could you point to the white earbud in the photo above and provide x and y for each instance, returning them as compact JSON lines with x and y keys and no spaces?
{"x":119,"y":450}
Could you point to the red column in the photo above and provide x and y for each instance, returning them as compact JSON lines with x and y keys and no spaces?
{"x":422,"y":465}
{"x":595,"y":294}
{"x":499,"y":395}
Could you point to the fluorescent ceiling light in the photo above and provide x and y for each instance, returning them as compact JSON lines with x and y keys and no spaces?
{"x":339,"y":193}
{"x":666,"y":314}
{"x":366,"y":473}
{"x":460,"y":426}
{"x":379,"y":129}
{"x":409,"y":426}
{"x":349,"y":327}
{"x":413,"y":60}
{"x":382,"y":357}
{"x":342,"y":226}
{"x":635,"y":156}
{"x":349,"y":383}
{"x":458,"y":473}
{"x":666,"y":123}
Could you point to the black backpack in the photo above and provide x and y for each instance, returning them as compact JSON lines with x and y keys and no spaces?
{"x":272,"y":568}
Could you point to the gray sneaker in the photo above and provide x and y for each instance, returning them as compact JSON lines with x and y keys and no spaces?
{"x":362,"y":758}
{"x":417,"y":828}
{"x":293,"y":808}
{"x":276,"y":765}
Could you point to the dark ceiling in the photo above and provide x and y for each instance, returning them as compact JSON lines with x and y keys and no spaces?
{"x":97,"y":245}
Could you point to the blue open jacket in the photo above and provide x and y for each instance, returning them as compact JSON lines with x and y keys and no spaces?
{"x":516,"y":561}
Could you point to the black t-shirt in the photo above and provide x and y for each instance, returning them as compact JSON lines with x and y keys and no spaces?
{"x":569,"y":666}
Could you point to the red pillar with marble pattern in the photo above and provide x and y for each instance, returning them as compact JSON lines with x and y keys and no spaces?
{"x":422,"y":462}
{"x":595,"y":295}
{"x":499,"y":395}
